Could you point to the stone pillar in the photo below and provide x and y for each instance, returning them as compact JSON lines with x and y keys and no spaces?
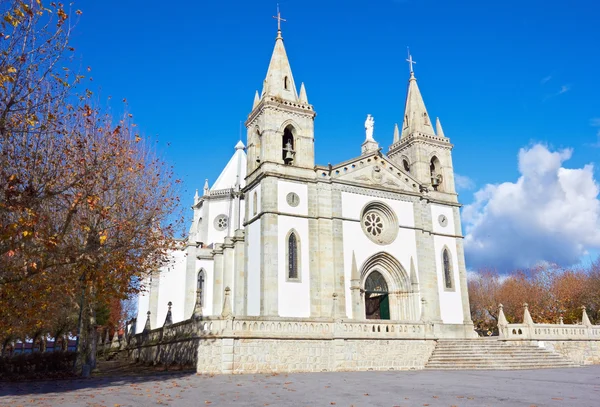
{"x":326,"y":260}
{"x":191,"y":279}
{"x":269,"y":301}
{"x":218,"y":280}
{"x":239,"y":267}
{"x":427,"y":270}
{"x":462,"y":268}
{"x":338,"y":247}
{"x":228,"y":263}
{"x":153,"y":305}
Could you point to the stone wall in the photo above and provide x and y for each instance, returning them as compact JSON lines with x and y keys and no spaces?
{"x":258,"y":355}
{"x":581,"y":352}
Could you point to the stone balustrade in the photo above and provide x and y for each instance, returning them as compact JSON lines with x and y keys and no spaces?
{"x":528,"y":330}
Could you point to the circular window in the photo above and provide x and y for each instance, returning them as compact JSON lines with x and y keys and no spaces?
{"x":293,"y":199}
{"x":379,"y":223}
{"x":221,"y":222}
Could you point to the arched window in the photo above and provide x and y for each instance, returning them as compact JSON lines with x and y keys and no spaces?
{"x":254,"y":203}
{"x":293,"y":257}
{"x":448,"y":281}
{"x":287,"y":152}
{"x":285,"y":83}
{"x":406,"y":165}
{"x":200,"y":288}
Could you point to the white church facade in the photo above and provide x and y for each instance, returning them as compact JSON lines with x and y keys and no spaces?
{"x":277,"y":236}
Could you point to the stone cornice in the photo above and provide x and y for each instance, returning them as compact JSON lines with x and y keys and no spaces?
{"x":272,"y":102}
{"x":413,"y":138}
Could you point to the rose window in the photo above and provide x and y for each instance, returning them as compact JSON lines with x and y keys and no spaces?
{"x":379,"y":223}
{"x":221,"y":222}
{"x":373,"y":223}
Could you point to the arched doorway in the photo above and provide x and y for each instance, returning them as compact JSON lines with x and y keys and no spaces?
{"x":377,"y":302}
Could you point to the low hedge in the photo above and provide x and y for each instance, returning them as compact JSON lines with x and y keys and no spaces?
{"x":37,"y":365}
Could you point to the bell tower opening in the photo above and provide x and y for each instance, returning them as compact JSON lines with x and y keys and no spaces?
{"x":377,"y":303}
{"x":288,"y":152}
{"x":435,"y":173}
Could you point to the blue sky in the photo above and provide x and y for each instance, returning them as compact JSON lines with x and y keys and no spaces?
{"x":501,"y":76}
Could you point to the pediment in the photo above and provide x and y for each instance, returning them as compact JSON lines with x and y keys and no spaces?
{"x":374,"y":171}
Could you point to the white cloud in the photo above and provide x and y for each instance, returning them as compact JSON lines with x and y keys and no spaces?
{"x":463,"y":182}
{"x":563,"y":89}
{"x":546,"y":79}
{"x":551,"y":214}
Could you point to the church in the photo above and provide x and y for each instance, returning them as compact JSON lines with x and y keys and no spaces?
{"x":278,"y":236}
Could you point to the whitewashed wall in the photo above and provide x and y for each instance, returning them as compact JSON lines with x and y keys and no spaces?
{"x":143,"y":307}
{"x":293,"y":296}
{"x":172,"y":288}
{"x":402,"y":248}
{"x":254,"y":252}
{"x":450,"y":301}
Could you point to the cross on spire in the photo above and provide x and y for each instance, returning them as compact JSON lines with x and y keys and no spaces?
{"x":410,"y":60}
{"x":279,"y":19}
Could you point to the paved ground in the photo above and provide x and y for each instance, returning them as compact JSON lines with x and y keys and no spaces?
{"x":554,"y":387}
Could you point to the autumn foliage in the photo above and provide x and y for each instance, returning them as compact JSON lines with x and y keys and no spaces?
{"x":550,"y":292}
{"x":85,"y":204}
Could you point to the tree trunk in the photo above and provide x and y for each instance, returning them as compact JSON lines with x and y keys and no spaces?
{"x":92,"y":337}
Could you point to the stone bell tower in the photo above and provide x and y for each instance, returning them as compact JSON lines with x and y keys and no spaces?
{"x":418,"y":149}
{"x":281,"y":159}
{"x":280,"y":128}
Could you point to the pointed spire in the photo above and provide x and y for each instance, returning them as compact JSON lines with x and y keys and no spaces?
{"x":256,"y":100}
{"x":240,"y":145}
{"x":416,"y":118}
{"x":438,"y":128}
{"x":354,"y":271}
{"x":585,"y":320}
{"x":526,"y":315}
{"x":396,"y":133}
{"x":169,"y":318}
{"x":413,"y":275}
{"x":279,"y":81}
{"x":502,"y":322}
{"x":206,"y":187}
{"x":196,"y":197}
{"x":303,"y":97}
{"x":147,"y":326}
{"x":227,"y":313}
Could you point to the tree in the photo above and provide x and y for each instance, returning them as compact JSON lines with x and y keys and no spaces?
{"x":86,"y":206}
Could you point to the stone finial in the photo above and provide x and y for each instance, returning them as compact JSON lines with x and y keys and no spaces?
{"x":115,"y":340}
{"x":585,"y":320}
{"x":396,"y":133}
{"x":303,"y":97}
{"x":206,"y":190}
{"x":227,"y":313}
{"x":197,"y":313}
{"x":256,"y":100}
{"x":561,"y":320}
{"x":196,"y":197}
{"x":502,"y":322}
{"x":526,"y":315}
{"x":169,"y":318}
{"x":438,"y":128}
{"x":147,"y":327}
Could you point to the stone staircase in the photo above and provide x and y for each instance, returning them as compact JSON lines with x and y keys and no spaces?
{"x":492,"y":354}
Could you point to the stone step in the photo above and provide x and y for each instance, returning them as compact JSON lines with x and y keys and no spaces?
{"x":492,"y":354}
{"x":504,"y":367}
